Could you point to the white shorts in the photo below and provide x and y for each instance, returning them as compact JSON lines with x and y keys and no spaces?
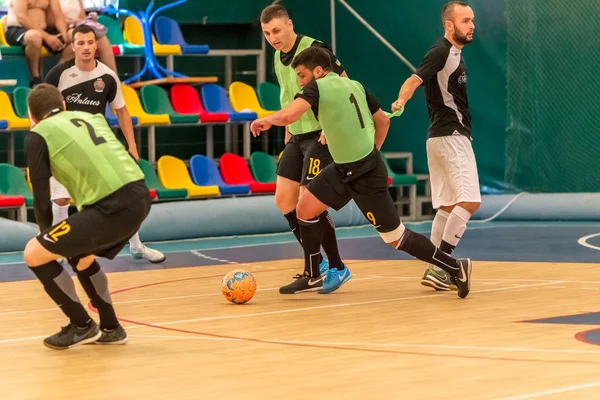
{"x":452,"y":171}
{"x":57,"y":190}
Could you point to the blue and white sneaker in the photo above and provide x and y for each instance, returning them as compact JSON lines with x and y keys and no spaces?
{"x":324,"y":266}
{"x":334,"y":279}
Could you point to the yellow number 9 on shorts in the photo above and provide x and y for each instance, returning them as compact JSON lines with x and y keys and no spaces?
{"x":371,"y":218}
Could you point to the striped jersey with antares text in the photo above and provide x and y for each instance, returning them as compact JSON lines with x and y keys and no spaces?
{"x":87,"y":91}
{"x":444,"y":76}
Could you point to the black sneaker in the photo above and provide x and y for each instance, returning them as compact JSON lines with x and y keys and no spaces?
{"x":115,"y":336}
{"x":302,"y":283}
{"x":463,"y":279}
{"x":71,"y":336}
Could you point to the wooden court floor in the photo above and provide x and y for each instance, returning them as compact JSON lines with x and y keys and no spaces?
{"x":382,"y":336}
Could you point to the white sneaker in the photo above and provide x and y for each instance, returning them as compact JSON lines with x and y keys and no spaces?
{"x":154,"y":256}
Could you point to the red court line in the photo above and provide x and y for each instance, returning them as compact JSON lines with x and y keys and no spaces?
{"x":314,"y":346}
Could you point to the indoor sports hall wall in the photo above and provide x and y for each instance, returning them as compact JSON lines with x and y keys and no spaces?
{"x":553,"y":95}
{"x":412,"y":27}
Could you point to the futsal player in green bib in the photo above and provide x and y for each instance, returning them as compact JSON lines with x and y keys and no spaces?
{"x":82,"y":152}
{"x":306,"y":152}
{"x":356,"y":128}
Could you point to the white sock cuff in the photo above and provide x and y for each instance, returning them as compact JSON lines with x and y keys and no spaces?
{"x":462,"y":213}
{"x":442,"y":213}
{"x":396,"y":234}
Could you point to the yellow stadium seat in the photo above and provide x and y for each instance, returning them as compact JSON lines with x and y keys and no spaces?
{"x":132,"y":32}
{"x":173,"y":174}
{"x":3,"y":41}
{"x":8,"y":113}
{"x":134,"y":106}
{"x":243,"y":97}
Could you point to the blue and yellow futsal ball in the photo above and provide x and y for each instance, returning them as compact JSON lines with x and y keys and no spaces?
{"x":238,"y":286}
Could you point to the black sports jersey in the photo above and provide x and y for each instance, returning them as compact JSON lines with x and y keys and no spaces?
{"x":444,"y":75}
{"x":287,"y":58}
{"x":87,"y":91}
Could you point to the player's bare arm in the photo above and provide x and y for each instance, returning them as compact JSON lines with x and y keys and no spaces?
{"x":127,"y":128}
{"x":406,"y":92}
{"x":382,"y":125}
{"x":288,"y":115}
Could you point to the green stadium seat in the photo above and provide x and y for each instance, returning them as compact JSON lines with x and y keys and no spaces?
{"x":264,"y":167}
{"x":268,"y":95}
{"x":20,"y":95}
{"x":153,"y":183}
{"x":399,"y":179}
{"x":13,"y":183}
{"x":156,"y":101}
{"x":115,"y":37}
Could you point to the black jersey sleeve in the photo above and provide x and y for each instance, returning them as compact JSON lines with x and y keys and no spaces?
{"x":432,"y":63}
{"x":310,"y":93}
{"x":38,"y":162}
{"x":53,"y":76}
{"x":372,"y":101}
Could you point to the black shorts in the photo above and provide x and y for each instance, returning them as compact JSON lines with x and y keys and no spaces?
{"x":365,"y":181}
{"x":303,"y":158}
{"x":15,"y":36}
{"x":100,"y":229}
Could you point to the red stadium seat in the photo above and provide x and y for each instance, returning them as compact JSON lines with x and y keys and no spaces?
{"x":11,"y":201}
{"x":185,"y":100}
{"x":152,"y":194}
{"x":235,"y":171}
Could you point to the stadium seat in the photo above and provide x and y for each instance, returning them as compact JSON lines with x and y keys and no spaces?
{"x":134,"y":106}
{"x":133,"y":33}
{"x":13,"y":50}
{"x":152,"y":194}
{"x":215,"y":100}
{"x":156,"y":101}
{"x":268,"y":94}
{"x":3,"y":124}
{"x":264,"y":167}
{"x":7,"y":113}
{"x":185,"y":100}
{"x":398,"y":179}
{"x":115,"y":37}
{"x":11,"y":201}
{"x":173,"y":174}
{"x":167,"y":31}
{"x":20,"y":95}
{"x":112,"y":118}
{"x":153,"y":183}
{"x":205,"y":172}
{"x":243,"y":97}
{"x":13,"y":183}
{"x":235,"y":171}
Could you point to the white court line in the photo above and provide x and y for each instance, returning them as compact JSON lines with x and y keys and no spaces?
{"x":397,"y":345}
{"x":553,"y":391}
{"x":302,"y":309}
{"x":294,"y":310}
{"x":582,"y":241}
{"x":216,"y":293}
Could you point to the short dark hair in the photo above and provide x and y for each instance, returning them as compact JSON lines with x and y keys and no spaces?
{"x":43,"y":99}
{"x":83,"y":29}
{"x":448,"y":9}
{"x":272,"y":12}
{"x":312,"y":58}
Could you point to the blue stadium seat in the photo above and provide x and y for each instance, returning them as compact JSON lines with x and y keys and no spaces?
{"x":167,"y":31}
{"x":3,"y":124}
{"x":205,"y":172}
{"x":112,"y":118}
{"x":215,"y":99}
